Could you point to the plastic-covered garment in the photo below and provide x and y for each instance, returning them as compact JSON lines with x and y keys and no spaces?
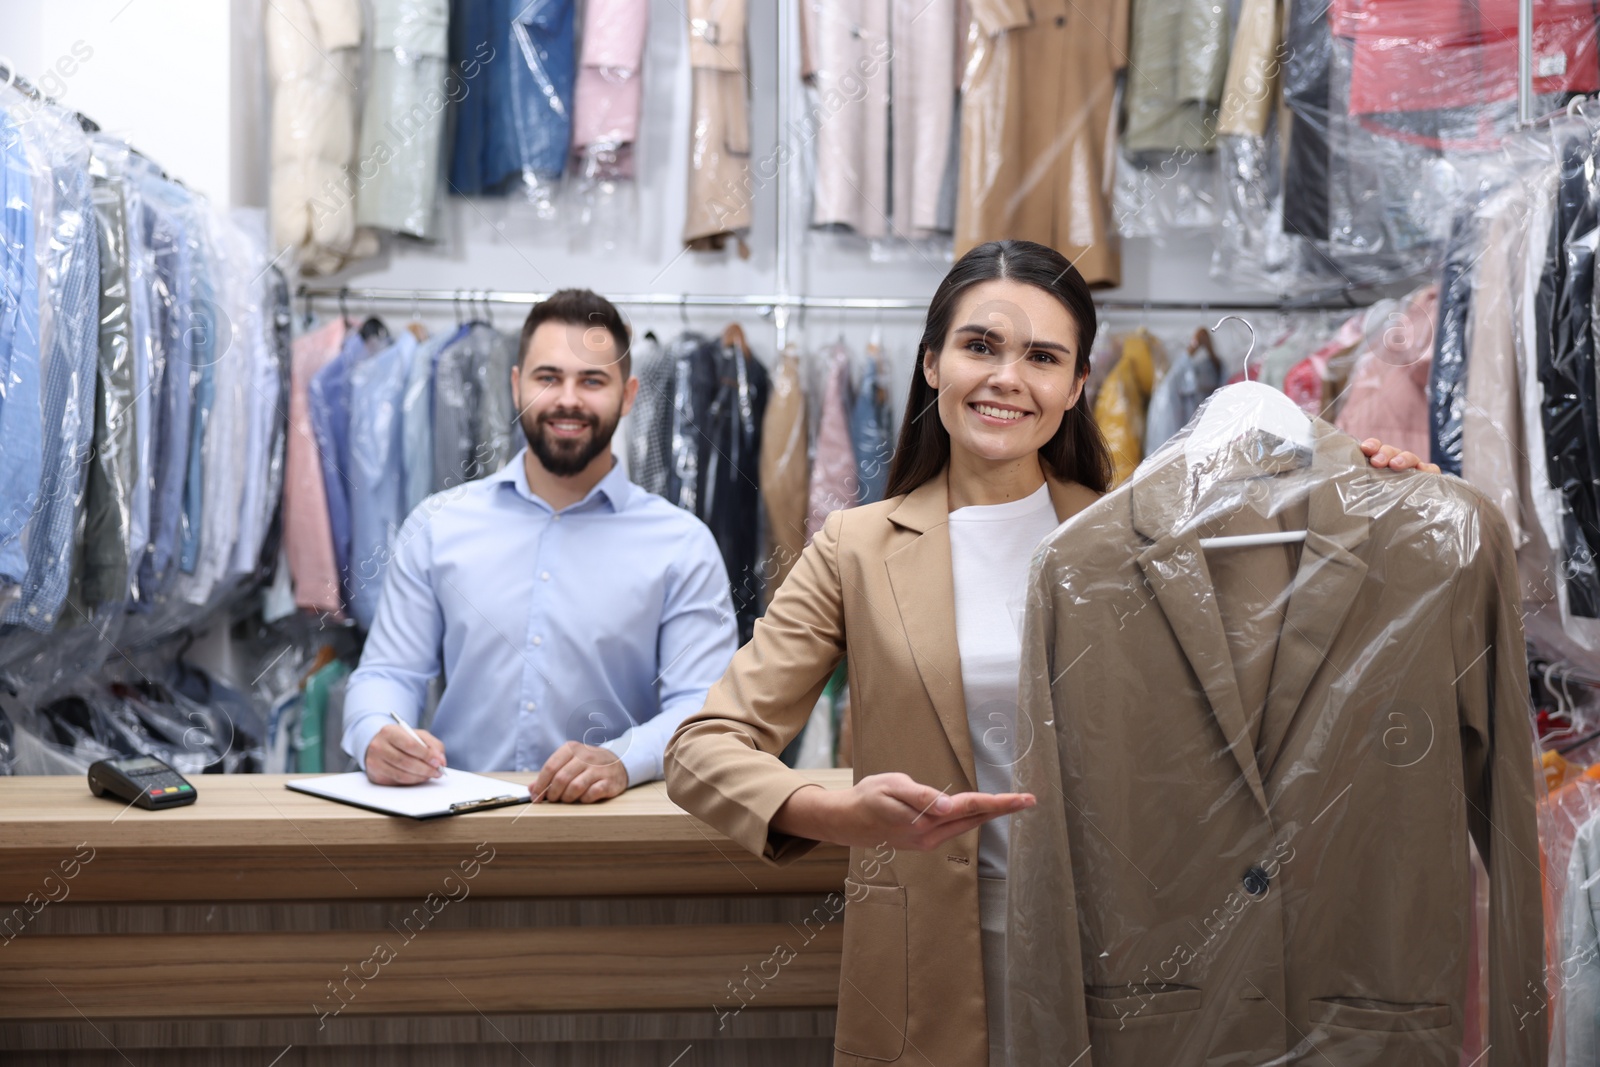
{"x":730,"y":463}
{"x":1178,"y":55}
{"x":1038,"y":129}
{"x":1250,"y":842}
{"x":21,"y":462}
{"x":869,"y":430}
{"x":848,"y":55}
{"x":307,"y":533}
{"x":1565,"y":365}
{"x":1179,"y":395}
{"x":70,"y":285}
{"x":1316,"y":384}
{"x":104,"y":573}
{"x":1577,"y":1042}
{"x":649,"y":425}
{"x":377,"y":470}
{"x":312,"y":59}
{"x":1447,"y":376}
{"x":785,"y":474}
{"x":1410,"y":57}
{"x":1388,"y":393}
{"x":473,"y":420}
{"x":543,"y":68}
{"x":1250,"y":86}
{"x":417,"y":416}
{"x":403,"y":123}
{"x":835,"y":481}
{"x":1124,"y":399}
{"x":719,"y":190}
{"x":610,"y":87}
{"x":923,"y":105}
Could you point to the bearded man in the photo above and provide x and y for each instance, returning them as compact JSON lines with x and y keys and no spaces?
{"x":576,"y":618}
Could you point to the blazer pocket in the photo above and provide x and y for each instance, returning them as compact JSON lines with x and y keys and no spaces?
{"x":872,"y":976}
{"x":1358,"y":1013}
{"x":1126,"y":1002}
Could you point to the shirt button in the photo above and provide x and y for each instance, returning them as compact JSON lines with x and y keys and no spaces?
{"x":1256,"y":881}
{"x":538,"y":640}
{"x":528,"y":705}
{"x":556,"y":517}
{"x":544,"y":576}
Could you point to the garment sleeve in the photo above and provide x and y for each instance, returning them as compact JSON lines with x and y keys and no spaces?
{"x":722,"y":764}
{"x":402,"y":651}
{"x":1046,"y":1020}
{"x":1498,"y":781}
{"x":697,"y":638}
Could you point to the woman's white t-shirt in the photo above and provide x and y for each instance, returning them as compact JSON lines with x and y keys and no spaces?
{"x":991,"y":546}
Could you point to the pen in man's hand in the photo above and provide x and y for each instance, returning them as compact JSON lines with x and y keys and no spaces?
{"x":414,"y":736}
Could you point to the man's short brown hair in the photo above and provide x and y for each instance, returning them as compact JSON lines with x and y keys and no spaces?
{"x":580,"y":307}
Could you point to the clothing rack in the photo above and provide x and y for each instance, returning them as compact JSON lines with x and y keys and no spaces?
{"x":767,"y":303}
{"x":9,"y":76}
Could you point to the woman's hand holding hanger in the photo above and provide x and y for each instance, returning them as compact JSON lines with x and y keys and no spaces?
{"x":891,"y":808}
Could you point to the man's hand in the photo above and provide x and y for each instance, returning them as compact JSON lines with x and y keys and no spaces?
{"x":893,"y":808}
{"x":1383,"y":455}
{"x":579,"y":774}
{"x":393,"y":758}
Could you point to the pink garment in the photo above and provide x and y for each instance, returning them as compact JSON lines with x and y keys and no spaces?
{"x":1388,"y":394}
{"x":1306,"y":382}
{"x":833,"y":468}
{"x":607,"y":100}
{"x":307,"y":535}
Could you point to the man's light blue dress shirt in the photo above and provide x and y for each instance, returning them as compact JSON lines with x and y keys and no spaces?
{"x":605,"y":622}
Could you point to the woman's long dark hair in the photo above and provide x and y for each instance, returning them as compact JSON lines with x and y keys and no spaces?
{"x":1077,"y":452}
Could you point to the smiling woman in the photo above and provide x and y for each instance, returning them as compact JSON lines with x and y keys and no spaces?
{"x":922,"y":595}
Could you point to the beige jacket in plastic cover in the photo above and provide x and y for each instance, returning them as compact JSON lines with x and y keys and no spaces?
{"x":312,"y":59}
{"x":1257,"y":767}
{"x":1038,"y":137}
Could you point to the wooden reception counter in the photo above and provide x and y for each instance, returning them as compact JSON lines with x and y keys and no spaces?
{"x":260,"y":922}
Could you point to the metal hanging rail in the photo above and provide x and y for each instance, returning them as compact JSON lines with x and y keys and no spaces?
{"x":765,"y":303}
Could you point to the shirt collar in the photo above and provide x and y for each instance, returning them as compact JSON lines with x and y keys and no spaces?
{"x":614,"y":489}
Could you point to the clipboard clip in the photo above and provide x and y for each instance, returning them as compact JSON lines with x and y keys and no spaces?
{"x":487,"y":802}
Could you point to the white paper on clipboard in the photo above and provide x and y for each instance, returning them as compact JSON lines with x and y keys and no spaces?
{"x":452,"y":794}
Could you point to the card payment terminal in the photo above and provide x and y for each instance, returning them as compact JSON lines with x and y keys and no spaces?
{"x":142,"y":780}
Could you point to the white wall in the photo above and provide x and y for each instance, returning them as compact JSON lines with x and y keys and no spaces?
{"x":154,"y":72}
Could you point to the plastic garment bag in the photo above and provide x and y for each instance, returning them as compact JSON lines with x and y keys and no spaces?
{"x":68,"y":244}
{"x":1177,"y":57}
{"x":719,"y":192}
{"x":847,"y":56}
{"x":403,"y":124}
{"x":1257,"y":767}
{"x":1038,"y":129}
{"x":312,"y":60}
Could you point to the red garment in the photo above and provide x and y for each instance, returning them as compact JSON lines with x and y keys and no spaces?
{"x":1430,"y":55}
{"x":1306,"y":382}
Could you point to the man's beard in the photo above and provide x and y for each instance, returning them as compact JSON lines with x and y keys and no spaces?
{"x":562,"y":456}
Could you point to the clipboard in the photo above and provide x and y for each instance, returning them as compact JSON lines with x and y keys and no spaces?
{"x":455,"y":793}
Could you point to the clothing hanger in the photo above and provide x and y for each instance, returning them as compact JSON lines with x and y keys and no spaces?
{"x":1248,"y":405}
{"x":733,"y":337}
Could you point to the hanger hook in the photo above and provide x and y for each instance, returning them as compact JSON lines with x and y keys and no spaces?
{"x":683,"y":310}
{"x":1249,"y":351}
{"x":344,"y":308}
{"x":1575,"y":106}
